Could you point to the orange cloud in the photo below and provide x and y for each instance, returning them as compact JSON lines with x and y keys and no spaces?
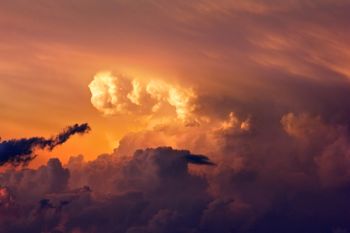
{"x":111,"y":94}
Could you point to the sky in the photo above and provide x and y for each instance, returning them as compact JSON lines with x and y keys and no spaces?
{"x":235,"y":113}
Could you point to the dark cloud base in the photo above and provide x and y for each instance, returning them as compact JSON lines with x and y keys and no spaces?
{"x":156,"y":191}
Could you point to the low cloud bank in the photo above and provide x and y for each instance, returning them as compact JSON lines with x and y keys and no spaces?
{"x":261,"y":183}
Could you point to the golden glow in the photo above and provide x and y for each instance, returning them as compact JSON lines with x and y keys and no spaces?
{"x":105,"y":89}
{"x":187,"y":49}
{"x":124,"y":95}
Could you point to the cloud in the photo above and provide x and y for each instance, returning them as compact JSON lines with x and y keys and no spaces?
{"x":204,"y":137}
{"x":143,"y":185}
{"x":20,"y":151}
{"x":270,"y":109}
{"x":254,"y":183}
{"x":327,"y":147}
{"x":6,"y":198}
{"x":67,"y":133}
{"x":199,"y":159}
{"x":118,"y":94}
{"x":51,"y":177}
{"x":140,"y":171}
{"x":267,"y":168}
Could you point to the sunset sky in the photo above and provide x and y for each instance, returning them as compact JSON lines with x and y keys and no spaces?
{"x":261,"y":88}
{"x":51,"y":50}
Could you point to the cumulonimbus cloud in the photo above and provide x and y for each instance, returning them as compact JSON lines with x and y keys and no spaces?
{"x":118,"y":94}
{"x":262,"y":173}
{"x":20,"y":151}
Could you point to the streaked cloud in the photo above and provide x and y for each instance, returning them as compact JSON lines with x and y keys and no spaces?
{"x":21,"y":151}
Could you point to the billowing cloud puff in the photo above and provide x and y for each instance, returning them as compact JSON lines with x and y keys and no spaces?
{"x":119,"y":94}
{"x":326,"y":147}
{"x":205,"y":137}
{"x":24,"y":183}
{"x":263,"y":174}
{"x":152,"y":184}
{"x":254,"y":184}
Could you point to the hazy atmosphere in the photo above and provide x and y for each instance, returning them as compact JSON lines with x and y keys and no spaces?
{"x":174,"y":116}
